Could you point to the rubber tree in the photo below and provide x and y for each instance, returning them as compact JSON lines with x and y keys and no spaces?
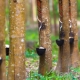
{"x":58,"y":68}
{"x":2,"y":41}
{"x":34,"y":10}
{"x":75,"y":59}
{"x":45,"y":63}
{"x":64,"y":62}
{"x":16,"y":69}
{"x":66,"y":48}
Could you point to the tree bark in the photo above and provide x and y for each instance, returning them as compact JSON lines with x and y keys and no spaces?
{"x":45,"y":64}
{"x":75,"y":58}
{"x":17,"y":42}
{"x":58,"y":68}
{"x":64,"y":55}
{"x":2,"y":41}
{"x":66,"y":48}
{"x":34,"y":10}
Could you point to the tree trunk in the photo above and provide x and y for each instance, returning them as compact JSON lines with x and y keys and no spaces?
{"x":66,"y":48}
{"x":2,"y":41}
{"x":17,"y":41}
{"x":64,"y":55}
{"x":58,"y":68}
{"x":34,"y":10}
{"x":75,"y":59}
{"x":45,"y":64}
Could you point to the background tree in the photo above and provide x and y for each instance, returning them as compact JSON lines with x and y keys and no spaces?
{"x":16,"y":69}
{"x":55,"y":17}
{"x":45,"y":63}
{"x":75,"y":59}
{"x":61,"y":47}
{"x":34,"y":10}
{"x":2,"y":41}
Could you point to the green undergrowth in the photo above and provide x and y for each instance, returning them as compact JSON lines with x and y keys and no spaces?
{"x":31,"y":35}
{"x":73,"y":75}
{"x":31,"y":53}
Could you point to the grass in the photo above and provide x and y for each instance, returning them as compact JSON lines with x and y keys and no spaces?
{"x":54,"y":76}
{"x":31,"y":35}
{"x":31,"y":53}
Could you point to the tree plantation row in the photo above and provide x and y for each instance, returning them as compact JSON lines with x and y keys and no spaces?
{"x":68,"y":38}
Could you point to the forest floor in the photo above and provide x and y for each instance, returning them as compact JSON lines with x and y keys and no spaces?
{"x":31,"y":65}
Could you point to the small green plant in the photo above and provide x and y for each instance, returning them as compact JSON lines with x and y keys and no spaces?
{"x":31,"y":53}
{"x":32,"y":35}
